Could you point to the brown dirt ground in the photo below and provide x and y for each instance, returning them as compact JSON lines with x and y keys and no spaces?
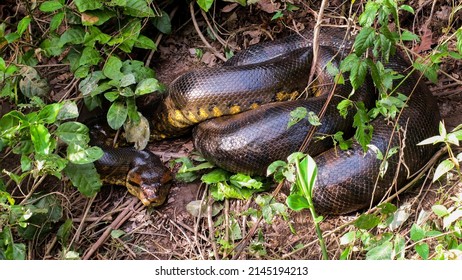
{"x":170,"y":232}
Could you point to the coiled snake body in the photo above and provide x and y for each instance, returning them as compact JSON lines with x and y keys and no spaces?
{"x":248,"y":142}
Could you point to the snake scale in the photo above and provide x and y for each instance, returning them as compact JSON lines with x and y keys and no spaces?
{"x":276,"y":72}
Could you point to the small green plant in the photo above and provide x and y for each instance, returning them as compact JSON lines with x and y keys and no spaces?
{"x":301,"y":171}
{"x":449,"y":139}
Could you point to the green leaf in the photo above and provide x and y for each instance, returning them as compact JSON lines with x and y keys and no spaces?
{"x":84,"y":177}
{"x":306,"y":175}
{"x":40,"y":138}
{"x":245,"y":181}
{"x":50,"y":6}
{"x":444,"y":167}
{"x":138,"y":8}
{"x":49,"y":113}
{"x":364,"y":130}
{"x":82,"y":155}
{"x":343,"y":144}
{"x":367,"y":221}
{"x":407,"y":8}
{"x":215,"y":176}
{"x":163,"y":23}
{"x":399,"y":248}
{"x":440,"y":210}
{"x":64,"y":232}
{"x":343,"y":107}
{"x":365,"y":39}
{"x":297,"y":115}
{"x":358,"y":74}
{"x":369,"y":14}
{"x":409,"y":36}
{"x":432,"y":140}
{"x":277,"y":15}
{"x":144,"y":42}
{"x":23,"y":24}
{"x":16,"y":251}
{"x":69,"y":110}
{"x":451,"y":218}
{"x":146,"y":86}
{"x":117,"y":114}
{"x":205,"y":4}
{"x":423,"y":250}
{"x":73,"y":132}
{"x":429,"y":69}
{"x":126,"y":81}
{"x":297,"y":202}
{"x":112,"y":68}
{"x":56,"y":20}
{"x":83,"y":5}
{"x":381,"y":252}
{"x":90,"y":56}
{"x":73,"y":36}
{"x":417,"y":232}
{"x":348,"y":238}
{"x":117,"y":233}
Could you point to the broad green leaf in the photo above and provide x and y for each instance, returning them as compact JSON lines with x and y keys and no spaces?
{"x":83,"y":155}
{"x":50,"y":6}
{"x":56,"y":20}
{"x":432,"y":140}
{"x":23,"y":24}
{"x":348,"y":238}
{"x":127,"y":80}
{"x":343,"y":107}
{"x":73,"y":132}
{"x":451,"y":218}
{"x":84,"y":177}
{"x":369,"y":14}
{"x":297,"y":202}
{"x":138,"y":8}
{"x":381,"y":252}
{"x":163,"y":23}
{"x":90,"y":56}
{"x":297,"y":115}
{"x":69,"y":110}
{"x":274,"y":166}
{"x":409,"y":36}
{"x":146,"y":86}
{"x":365,"y":39}
{"x":358,"y":74}
{"x":443,"y":168}
{"x":32,"y":84}
{"x":417,"y":233}
{"x":245,"y":181}
{"x":367,"y":221}
{"x":83,"y":5}
{"x":89,"y":85}
{"x":399,"y":248}
{"x":423,"y":250}
{"x":16,"y":251}
{"x":364,"y":130}
{"x":64,"y":232}
{"x":49,"y":113}
{"x":117,"y":114}
{"x":215,"y":176}
{"x":222,"y":190}
{"x":73,"y":36}
{"x":112,"y":68}
{"x":117,"y":233}
{"x":144,"y":42}
{"x":407,"y":8}
{"x":343,"y":144}
{"x":306,"y":175}
{"x":40,"y":138}
{"x":205,"y":4}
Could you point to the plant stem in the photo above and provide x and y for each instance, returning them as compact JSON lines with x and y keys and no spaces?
{"x":322,"y":243}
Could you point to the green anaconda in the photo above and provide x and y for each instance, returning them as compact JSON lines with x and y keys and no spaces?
{"x":249,"y":141}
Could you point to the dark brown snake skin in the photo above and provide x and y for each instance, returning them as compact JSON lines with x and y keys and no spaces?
{"x":347,"y":180}
{"x":248,"y":142}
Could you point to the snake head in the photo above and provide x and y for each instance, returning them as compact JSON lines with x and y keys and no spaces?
{"x":151,"y":184}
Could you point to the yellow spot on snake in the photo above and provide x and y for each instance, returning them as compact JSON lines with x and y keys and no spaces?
{"x":217,"y":112}
{"x":235,"y":109}
{"x":203,"y":114}
{"x":254,"y":106}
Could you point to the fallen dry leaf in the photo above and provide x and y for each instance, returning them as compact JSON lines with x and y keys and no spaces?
{"x":268,"y":6}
